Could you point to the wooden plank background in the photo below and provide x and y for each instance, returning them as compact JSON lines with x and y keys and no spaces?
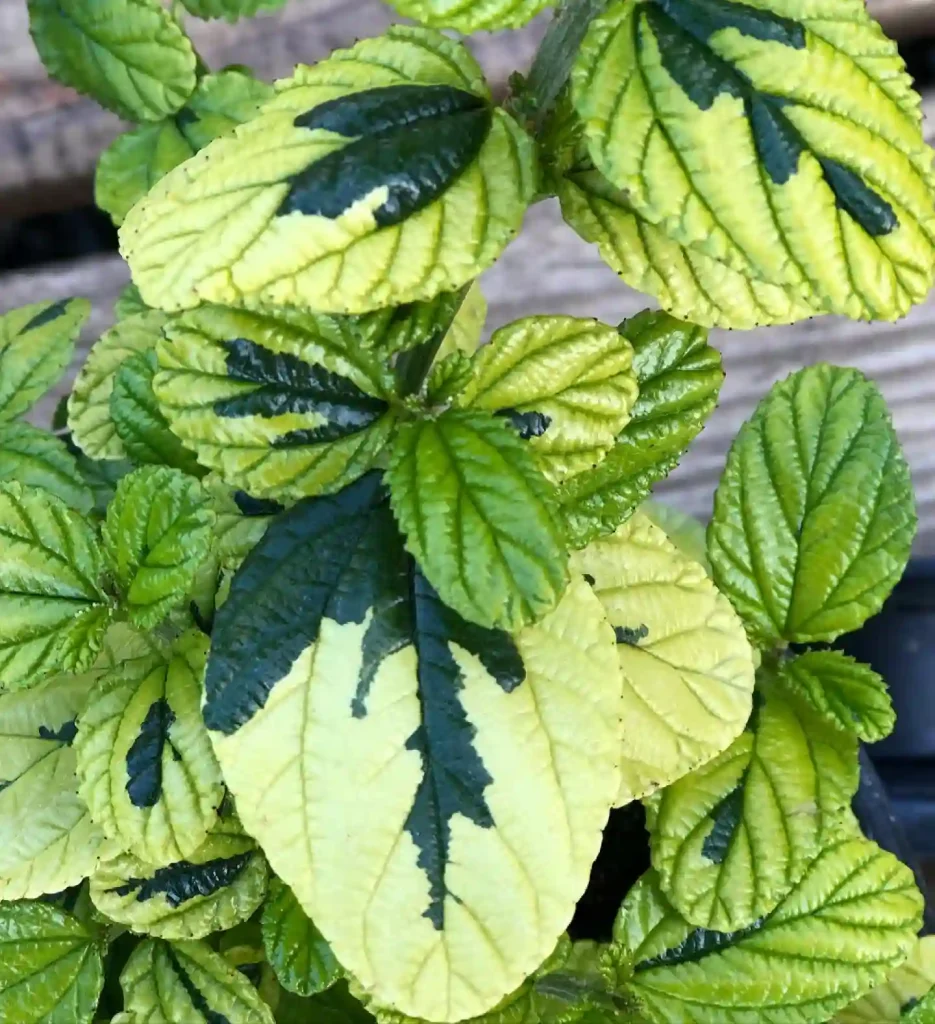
{"x":49,"y":140}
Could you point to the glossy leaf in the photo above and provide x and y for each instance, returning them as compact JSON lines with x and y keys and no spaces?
{"x":814,"y":516}
{"x":461,"y":776}
{"x":280,"y":405}
{"x":848,"y":923}
{"x":129,"y":55}
{"x":731,"y":125}
{"x":687,"y":666}
{"x":36,"y":458}
{"x":36,"y":346}
{"x":478,"y":517}
{"x":156,"y":535}
{"x":893,"y":1001}
{"x":380,"y":176}
{"x":679,"y":377}
{"x":296,"y":949}
{"x":566,"y":385}
{"x":53,"y":610}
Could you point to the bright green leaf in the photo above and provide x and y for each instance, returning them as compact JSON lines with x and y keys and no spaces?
{"x":731,"y":126}
{"x":687,"y":666}
{"x":814,"y":515}
{"x":51,"y":970}
{"x":240,"y":521}
{"x":188,"y":983}
{"x":36,"y":458}
{"x":566,"y":385}
{"x":472,"y":15}
{"x":922,"y":1012}
{"x":892,"y":1002}
{"x":380,"y":176}
{"x":129,"y":55}
{"x":146,"y":768}
{"x":478,"y":517}
{"x":732,"y":838}
{"x":92,"y":429}
{"x":36,"y":346}
{"x":844,"y":692}
{"x":679,"y":377}
{"x":53,"y":610}
{"x":156,"y":535}
{"x":138,"y":420}
{"x":840,"y":932}
{"x":280,"y":405}
{"x":231,"y":10}
{"x":221,"y":884}
{"x":296,"y":949}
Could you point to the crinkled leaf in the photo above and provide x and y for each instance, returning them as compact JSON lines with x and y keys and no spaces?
{"x":241,"y":521}
{"x":679,"y":377}
{"x":130,"y":55}
{"x":473,"y":15}
{"x":893,"y":1001}
{"x":283,"y":405}
{"x":147,"y":771}
{"x":176,"y":982}
{"x":461,"y":776}
{"x":138,"y":420}
{"x":840,"y":932}
{"x":102,"y":476}
{"x":36,"y":346}
{"x":478,"y":517}
{"x":47,"y":839}
{"x":382,"y":175}
{"x":156,"y":535}
{"x":136,"y":160}
{"x":230,"y":10}
{"x":687,"y":666}
{"x":566,"y":385}
{"x":36,"y":458}
{"x":129,"y":303}
{"x":733,"y":837}
{"x":844,"y":692}
{"x":53,"y":610}
{"x":92,"y":428}
{"x":922,"y":1012}
{"x":296,"y":949}
{"x":814,"y":515}
{"x":731,"y":126}
{"x":51,"y":970}
{"x":221,"y":884}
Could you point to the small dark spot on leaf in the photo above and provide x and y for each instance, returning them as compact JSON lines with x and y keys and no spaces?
{"x":626,"y":635}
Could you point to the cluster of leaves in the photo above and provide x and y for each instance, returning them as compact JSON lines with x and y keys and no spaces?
{"x":329,"y":636}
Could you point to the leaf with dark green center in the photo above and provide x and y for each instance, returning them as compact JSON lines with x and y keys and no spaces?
{"x":36,"y":458}
{"x":814,"y":515}
{"x":296,"y":949}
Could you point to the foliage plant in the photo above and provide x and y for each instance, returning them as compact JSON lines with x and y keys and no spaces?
{"x":330,"y":636}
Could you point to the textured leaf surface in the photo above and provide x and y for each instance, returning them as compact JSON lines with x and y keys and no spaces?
{"x":36,"y":346}
{"x":156,"y":535}
{"x":380,"y":176}
{"x":566,"y":385}
{"x":814,"y":516}
{"x":175,"y":982}
{"x":147,"y":770}
{"x":296,"y":949}
{"x":231,"y":10}
{"x":219,"y":886}
{"x":48,"y":839}
{"x":840,"y":932}
{"x":850,"y":695}
{"x":129,"y":55}
{"x":51,"y":970}
{"x":53,"y":612}
{"x":92,"y":428}
{"x":687,"y":666}
{"x":685,"y":531}
{"x":478,"y":517}
{"x":129,"y":303}
{"x":471,"y":15}
{"x":36,"y":458}
{"x":891,"y":1002}
{"x":278,"y":406}
{"x":136,"y":160}
{"x":733,"y":837}
{"x":461,"y":776}
{"x":240,"y":521}
{"x":679,"y":377}
{"x":731,"y":125}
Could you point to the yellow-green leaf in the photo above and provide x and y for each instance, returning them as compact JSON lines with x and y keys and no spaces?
{"x":36,"y":458}
{"x":381,"y":176}
{"x":687,"y":665}
{"x":887,"y":1003}
{"x":230,"y":10}
{"x":471,"y":15}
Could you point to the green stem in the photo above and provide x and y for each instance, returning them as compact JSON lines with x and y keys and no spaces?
{"x":552,"y":66}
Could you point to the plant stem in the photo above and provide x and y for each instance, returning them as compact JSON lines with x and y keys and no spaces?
{"x":552,"y":66}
